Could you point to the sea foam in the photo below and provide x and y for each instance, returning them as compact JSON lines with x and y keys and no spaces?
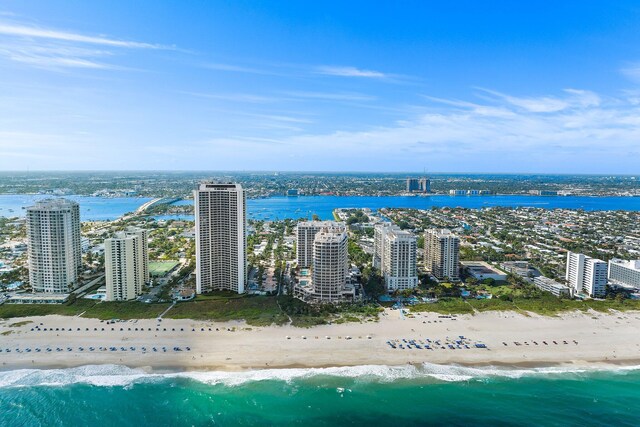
{"x":122,"y":376}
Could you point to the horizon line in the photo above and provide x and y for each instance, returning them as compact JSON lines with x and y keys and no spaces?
{"x":265,"y":171}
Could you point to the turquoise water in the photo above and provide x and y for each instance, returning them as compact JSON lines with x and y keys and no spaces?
{"x":91,"y":208}
{"x":101,"y":208}
{"x":367,"y":395}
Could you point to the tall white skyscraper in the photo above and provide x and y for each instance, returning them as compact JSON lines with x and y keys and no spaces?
{"x":442,"y":253}
{"x":395,"y":253}
{"x":55,"y":254}
{"x":126,"y":263}
{"x":595,"y":278}
{"x":221,"y":240}
{"x":585,"y":274}
{"x":305,"y":235}
{"x":575,"y":271}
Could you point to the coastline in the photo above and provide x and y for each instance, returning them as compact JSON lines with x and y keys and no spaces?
{"x":603,"y":341}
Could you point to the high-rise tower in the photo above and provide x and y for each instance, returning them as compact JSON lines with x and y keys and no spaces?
{"x":221,"y":241}
{"x":55,"y":254}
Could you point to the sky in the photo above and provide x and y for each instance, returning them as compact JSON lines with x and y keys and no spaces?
{"x":384,"y":86}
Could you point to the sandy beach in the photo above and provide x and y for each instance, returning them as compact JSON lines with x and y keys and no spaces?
{"x":580,"y":338}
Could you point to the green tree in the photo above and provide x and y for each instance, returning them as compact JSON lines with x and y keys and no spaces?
{"x":372,"y":282}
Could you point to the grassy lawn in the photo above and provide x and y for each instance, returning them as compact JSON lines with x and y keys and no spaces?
{"x":100,"y":310}
{"x":8,"y":311}
{"x":219,"y":296}
{"x":264,"y":310}
{"x":125,"y":310}
{"x":307,"y":321}
{"x":546,"y":305}
{"x":161,"y":268}
{"x":445,"y":306}
{"x":256,"y":310}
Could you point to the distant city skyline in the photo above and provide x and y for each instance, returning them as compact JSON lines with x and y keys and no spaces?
{"x":464,"y":87}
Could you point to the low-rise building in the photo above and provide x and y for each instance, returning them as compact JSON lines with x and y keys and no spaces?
{"x":520,"y":268}
{"x":481,"y":270}
{"x":37,"y":298}
{"x":549,"y":285}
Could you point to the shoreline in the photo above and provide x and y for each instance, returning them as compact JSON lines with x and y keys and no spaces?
{"x":582,"y":340}
{"x":533,"y":367}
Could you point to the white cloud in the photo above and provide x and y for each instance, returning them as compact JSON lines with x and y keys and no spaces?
{"x":632,"y":72}
{"x":588,"y":135}
{"x":236,"y":97}
{"x":330,"y":96}
{"x":584,"y":98}
{"x":235,"y":68}
{"x":58,"y":50}
{"x":350,"y":72}
{"x":544,"y":104}
{"x":34,"y":32}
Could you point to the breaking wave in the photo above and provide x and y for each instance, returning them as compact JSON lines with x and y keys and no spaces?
{"x":122,"y":376}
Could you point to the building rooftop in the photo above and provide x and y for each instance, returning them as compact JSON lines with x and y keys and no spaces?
{"x":478,"y":268}
{"x":331,"y":235}
{"x":53,"y":204}
{"x":630,"y":264}
{"x":38,"y":297}
{"x":216,"y":186}
{"x":321,"y":224}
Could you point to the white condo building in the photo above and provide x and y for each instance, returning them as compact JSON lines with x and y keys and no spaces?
{"x":305,"y":235}
{"x":221,"y":241}
{"x":625,"y":273}
{"x":585,"y":274}
{"x":126,"y":263}
{"x":330,"y":263}
{"x":55,"y":253}
{"x":575,"y":271}
{"x":442,"y":254}
{"x":395,"y":253}
{"x":330,"y":267}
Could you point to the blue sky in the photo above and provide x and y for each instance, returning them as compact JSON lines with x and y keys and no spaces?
{"x":463,"y":86}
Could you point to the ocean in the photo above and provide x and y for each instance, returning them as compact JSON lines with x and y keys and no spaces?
{"x":357,"y":396}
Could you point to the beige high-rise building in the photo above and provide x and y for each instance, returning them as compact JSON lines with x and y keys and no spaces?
{"x":395,"y":253}
{"x":305,"y":235}
{"x":442,"y":254}
{"x":126,"y":263}
{"x":54,"y":249}
{"x":143,"y":256}
{"x":330,"y":267}
{"x":330,"y":263}
{"x":221,"y":241}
